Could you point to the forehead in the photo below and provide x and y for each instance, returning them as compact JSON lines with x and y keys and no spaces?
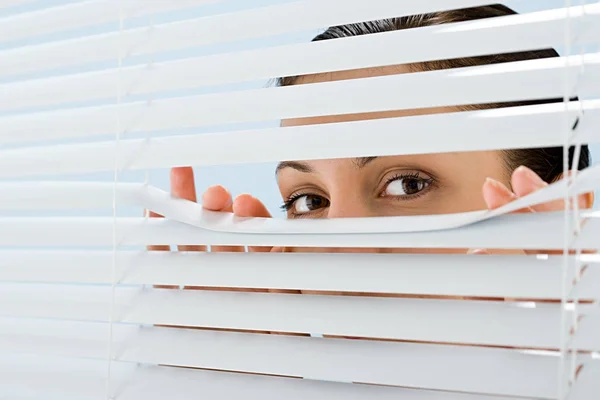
{"x":357,"y":74}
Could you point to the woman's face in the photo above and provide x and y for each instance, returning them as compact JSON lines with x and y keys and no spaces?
{"x":384,"y":186}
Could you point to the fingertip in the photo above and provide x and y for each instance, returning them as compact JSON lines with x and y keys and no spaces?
{"x":217,"y":198}
{"x":246,"y":205}
{"x":182,"y":175}
{"x":182,"y":183}
{"x":177,"y":171}
{"x":525,"y":181}
{"x":496,"y":194}
{"x":524,"y":171}
{"x":243,"y":205}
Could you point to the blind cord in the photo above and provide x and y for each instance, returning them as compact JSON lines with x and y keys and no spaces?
{"x":150,"y":66}
{"x":576,"y":212}
{"x":114,"y":206}
{"x":564,"y":332}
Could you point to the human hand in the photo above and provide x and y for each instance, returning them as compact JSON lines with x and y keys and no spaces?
{"x":523,"y":182}
{"x":218,"y":199}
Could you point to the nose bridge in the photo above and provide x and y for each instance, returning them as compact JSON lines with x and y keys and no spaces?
{"x":348,"y":205}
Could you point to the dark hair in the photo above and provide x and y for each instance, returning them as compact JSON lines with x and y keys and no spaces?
{"x":546,"y":162}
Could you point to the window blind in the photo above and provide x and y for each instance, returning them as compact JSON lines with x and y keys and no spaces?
{"x":84,"y":311}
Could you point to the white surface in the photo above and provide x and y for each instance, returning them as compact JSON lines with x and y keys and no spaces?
{"x":431,"y":320}
{"x":510,"y":34}
{"x":82,"y":14}
{"x":519,"y":127}
{"x":518,"y":231}
{"x":479,"y":370}
{"x":473,"y":85}
{"x":76,"y":379}
{"x":510,"y":276}
{"x":254,"y":23}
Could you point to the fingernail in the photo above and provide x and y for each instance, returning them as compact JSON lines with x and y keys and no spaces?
{"x":531,"y":176}
{"x":477,"y":251}
{"x":244,"y":195}
{"x":215,"y":187}
{"x":499,"y":186}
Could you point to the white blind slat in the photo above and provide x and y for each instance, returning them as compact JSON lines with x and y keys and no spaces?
{"x":449,"y":321}
{"x":535,"y":231}
{"x":519,"y":127}
{"x":28,"y":375}
{"x":81,"y":14}
{"x":512,"y":34}
{"x":48,"y":195}
{"x":510,"y":276}
{"x":12,"y":3}
{"x":60,"y":379}
{"x":478,"y":370}
{"x":255,"y":23}
{"x":544,"y":77}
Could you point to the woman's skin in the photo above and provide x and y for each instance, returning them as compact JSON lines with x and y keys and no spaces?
{"x":377,"y":186}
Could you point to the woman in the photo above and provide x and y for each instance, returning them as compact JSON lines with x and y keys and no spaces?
{"x":398,"y":185}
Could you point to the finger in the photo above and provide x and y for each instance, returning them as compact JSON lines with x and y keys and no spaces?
{"x":246,"y":205}
{"x":217,"y":198}
{"x":496,"y":195}
{"x":159,"y":248}
{"x":524,"y":182}
{"x":184,"y":187}
{"x":182,"y":183}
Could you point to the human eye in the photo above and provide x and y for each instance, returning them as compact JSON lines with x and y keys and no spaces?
{"x":407,"y":185}
{"x":303,"y":204}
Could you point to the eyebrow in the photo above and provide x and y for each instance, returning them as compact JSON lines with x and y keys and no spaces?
{"x":360,"y":162}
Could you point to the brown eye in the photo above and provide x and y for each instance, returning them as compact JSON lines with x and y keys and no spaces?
{"x":309,"y":202}
{"x":407,"y":185}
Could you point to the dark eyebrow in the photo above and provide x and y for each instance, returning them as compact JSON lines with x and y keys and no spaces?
{"x":360,"y":162}
{"x":298,"y":166}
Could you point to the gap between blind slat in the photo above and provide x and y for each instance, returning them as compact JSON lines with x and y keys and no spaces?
{"x":477,"y":370}
{"x":525,"y":277}
{"x":519,"y":127}
{"x":518,"y":231}
{"x":52,"y":195}
{"x":82,"y":14}
{"x":432,"y":320}
{"x":464,"y":39}
{"x":472,"y":85}
{"x":192,"y":213}
{"x":255,"y":23}
{"x":160,"y":382}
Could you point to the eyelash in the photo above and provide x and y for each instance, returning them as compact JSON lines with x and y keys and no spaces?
{"x":288,"y":204}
